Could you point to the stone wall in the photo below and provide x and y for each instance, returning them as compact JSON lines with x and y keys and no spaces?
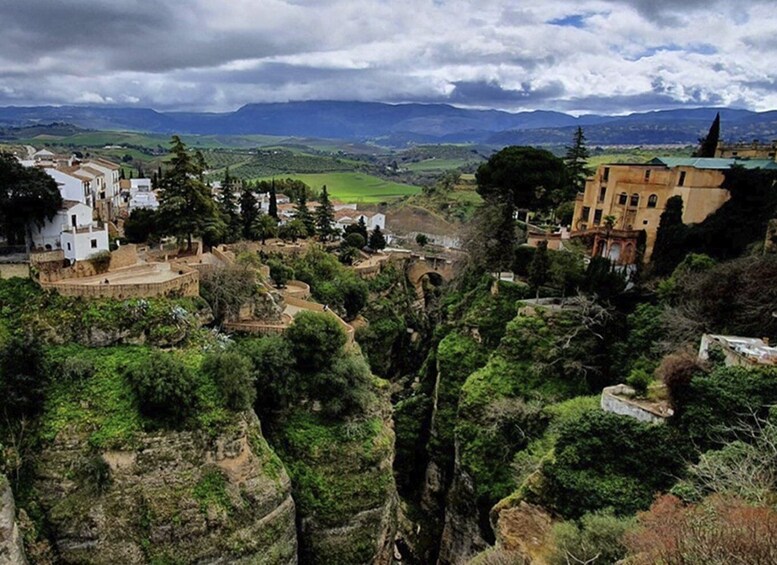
{"x":612,"y":401}
{"x":124,"y":256}
{"x":187,"y":284}
{"x":9,"y":270}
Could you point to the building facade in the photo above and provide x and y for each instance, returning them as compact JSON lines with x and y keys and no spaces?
{"x":625,"y":199}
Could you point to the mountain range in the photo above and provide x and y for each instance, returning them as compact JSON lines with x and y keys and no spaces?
{"x":403,"y":124}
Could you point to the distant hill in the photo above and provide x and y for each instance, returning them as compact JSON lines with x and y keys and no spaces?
{"x":397,"y":125}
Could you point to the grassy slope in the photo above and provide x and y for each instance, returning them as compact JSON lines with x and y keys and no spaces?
{"x":356,"y":187}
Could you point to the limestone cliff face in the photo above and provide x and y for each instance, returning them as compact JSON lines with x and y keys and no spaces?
{"x":176,"y":496}
{"x":343,"y":485}
{"x":461,"y":537}
{"x":11,"y":548}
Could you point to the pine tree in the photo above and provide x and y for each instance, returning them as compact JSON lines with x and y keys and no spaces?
{"x":377,"y":240}
{"x":248,"y":209}
{"x":186,"y":205}
{"x":709,"y":144}
{"x":302,"y":214}
{"x":576,"y":161}
{"x":272,"y":210}
{"x":325,"y":216}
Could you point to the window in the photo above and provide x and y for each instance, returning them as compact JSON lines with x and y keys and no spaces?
{"x":602,"y":193}
{"x":68,"y":246}
{"x":634,"y":200}
{"x":623,"y":198}
{"x":644,"y":222}
{"x":681,"y":182}
{"x":586,"y":212}
{"x":647,"y":175}
{"x":652,"y":201}
{"x":606,"y":174}
{"x":94,"y":244}
{"x":597,"y":217}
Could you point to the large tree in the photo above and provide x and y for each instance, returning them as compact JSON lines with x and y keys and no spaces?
{"x":576,"y":161}
{"x":325,"y":216}
{"x":272,"y":209}
{"x":525,"y":176}
{"x":186,"y":206}
{"x":302,"y":213}
{"x":28,"y":197}
{"x":669,"y":248}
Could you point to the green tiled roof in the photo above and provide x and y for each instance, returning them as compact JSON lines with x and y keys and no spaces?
{"x":718,"y":164}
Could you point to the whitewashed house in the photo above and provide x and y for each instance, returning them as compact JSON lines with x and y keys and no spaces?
{"x":72,"y":187}
{"x":73,"y":231}
{"x":142,"y":195}
{"x":346,"y":217}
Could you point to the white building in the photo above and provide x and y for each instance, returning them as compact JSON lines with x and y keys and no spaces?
{"x":346,"y":217}
{"x":738,"y":351}
{"x":73,"y":231}
{"x":143,"y":200}
{"x":72,"y":187}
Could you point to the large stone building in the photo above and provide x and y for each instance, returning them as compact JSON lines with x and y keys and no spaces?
{"x":623,"y":200}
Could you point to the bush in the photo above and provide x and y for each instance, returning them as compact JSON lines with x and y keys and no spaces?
{"x":227,"y":289}
{"x":164,"y":386}
{"x":23,"y":376}
{"x":273,"y":369}
{"x":595,"y":538}
{"x":232,"y":373}
{"x":345,"y":388}
{"x":676,"y":371}
{"x":280,"y":273}
{"x":639,"y":380}
{"x":76,"y":369}
{"x":101,"y":261}
{"x":603,"y":460}
{"x":316,"y":339}
{"x":355,"y":240}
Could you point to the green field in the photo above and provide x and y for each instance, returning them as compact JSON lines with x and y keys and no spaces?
{"x":355,"y":187}
{"x":437,"y":164}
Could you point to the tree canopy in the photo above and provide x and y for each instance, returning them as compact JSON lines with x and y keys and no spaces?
{"x":526,"y":176}
{"x":186,"y":206}
{"x":28,"y":197}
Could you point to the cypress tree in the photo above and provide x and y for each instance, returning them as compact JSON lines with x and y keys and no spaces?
{"x":272,"y":210}
{"x":709,"y":144}
{"x":325,"y":216}
{"x":539,"y":268}
{"x":576,"y":161}
{"x":248,"y":209}
{"x":377,"y":239}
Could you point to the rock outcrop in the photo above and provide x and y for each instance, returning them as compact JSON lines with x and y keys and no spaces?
{"x":174,"y":496}
{"x":11,"y":547}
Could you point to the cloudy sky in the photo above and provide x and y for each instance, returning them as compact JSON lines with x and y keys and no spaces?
{"x":580,"y":56}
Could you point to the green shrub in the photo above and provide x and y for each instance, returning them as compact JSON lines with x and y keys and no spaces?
{"x":100,"y":261}
{"x":639,"y":380}
{"x":345,"y":388}
{"x":76,"y":369}
{"x":316,"y":339}
{"x":24,"y":376}
{"x":232,"y":373}
{"x":273,"y":370}
{"x":595,"y":538}
{"x":355,"y":240}
{"x":164,"y":385}
{"x":603,"y":460}
{"x":280,"y":273}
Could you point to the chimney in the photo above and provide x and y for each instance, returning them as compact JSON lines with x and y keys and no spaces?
{"x":766,"y":341}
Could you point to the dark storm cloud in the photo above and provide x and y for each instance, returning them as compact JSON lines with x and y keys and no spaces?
{"x":491,"y":93}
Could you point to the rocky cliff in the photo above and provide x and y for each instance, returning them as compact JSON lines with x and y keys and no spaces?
{"x":174,"y":496}
{"x":11,"y":549}
{"x":343,"y":484}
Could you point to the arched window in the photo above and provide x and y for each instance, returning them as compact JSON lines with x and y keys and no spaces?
{"x":623,"y":198}
{"x":634,"y":199}
{"x":652,"y":201}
